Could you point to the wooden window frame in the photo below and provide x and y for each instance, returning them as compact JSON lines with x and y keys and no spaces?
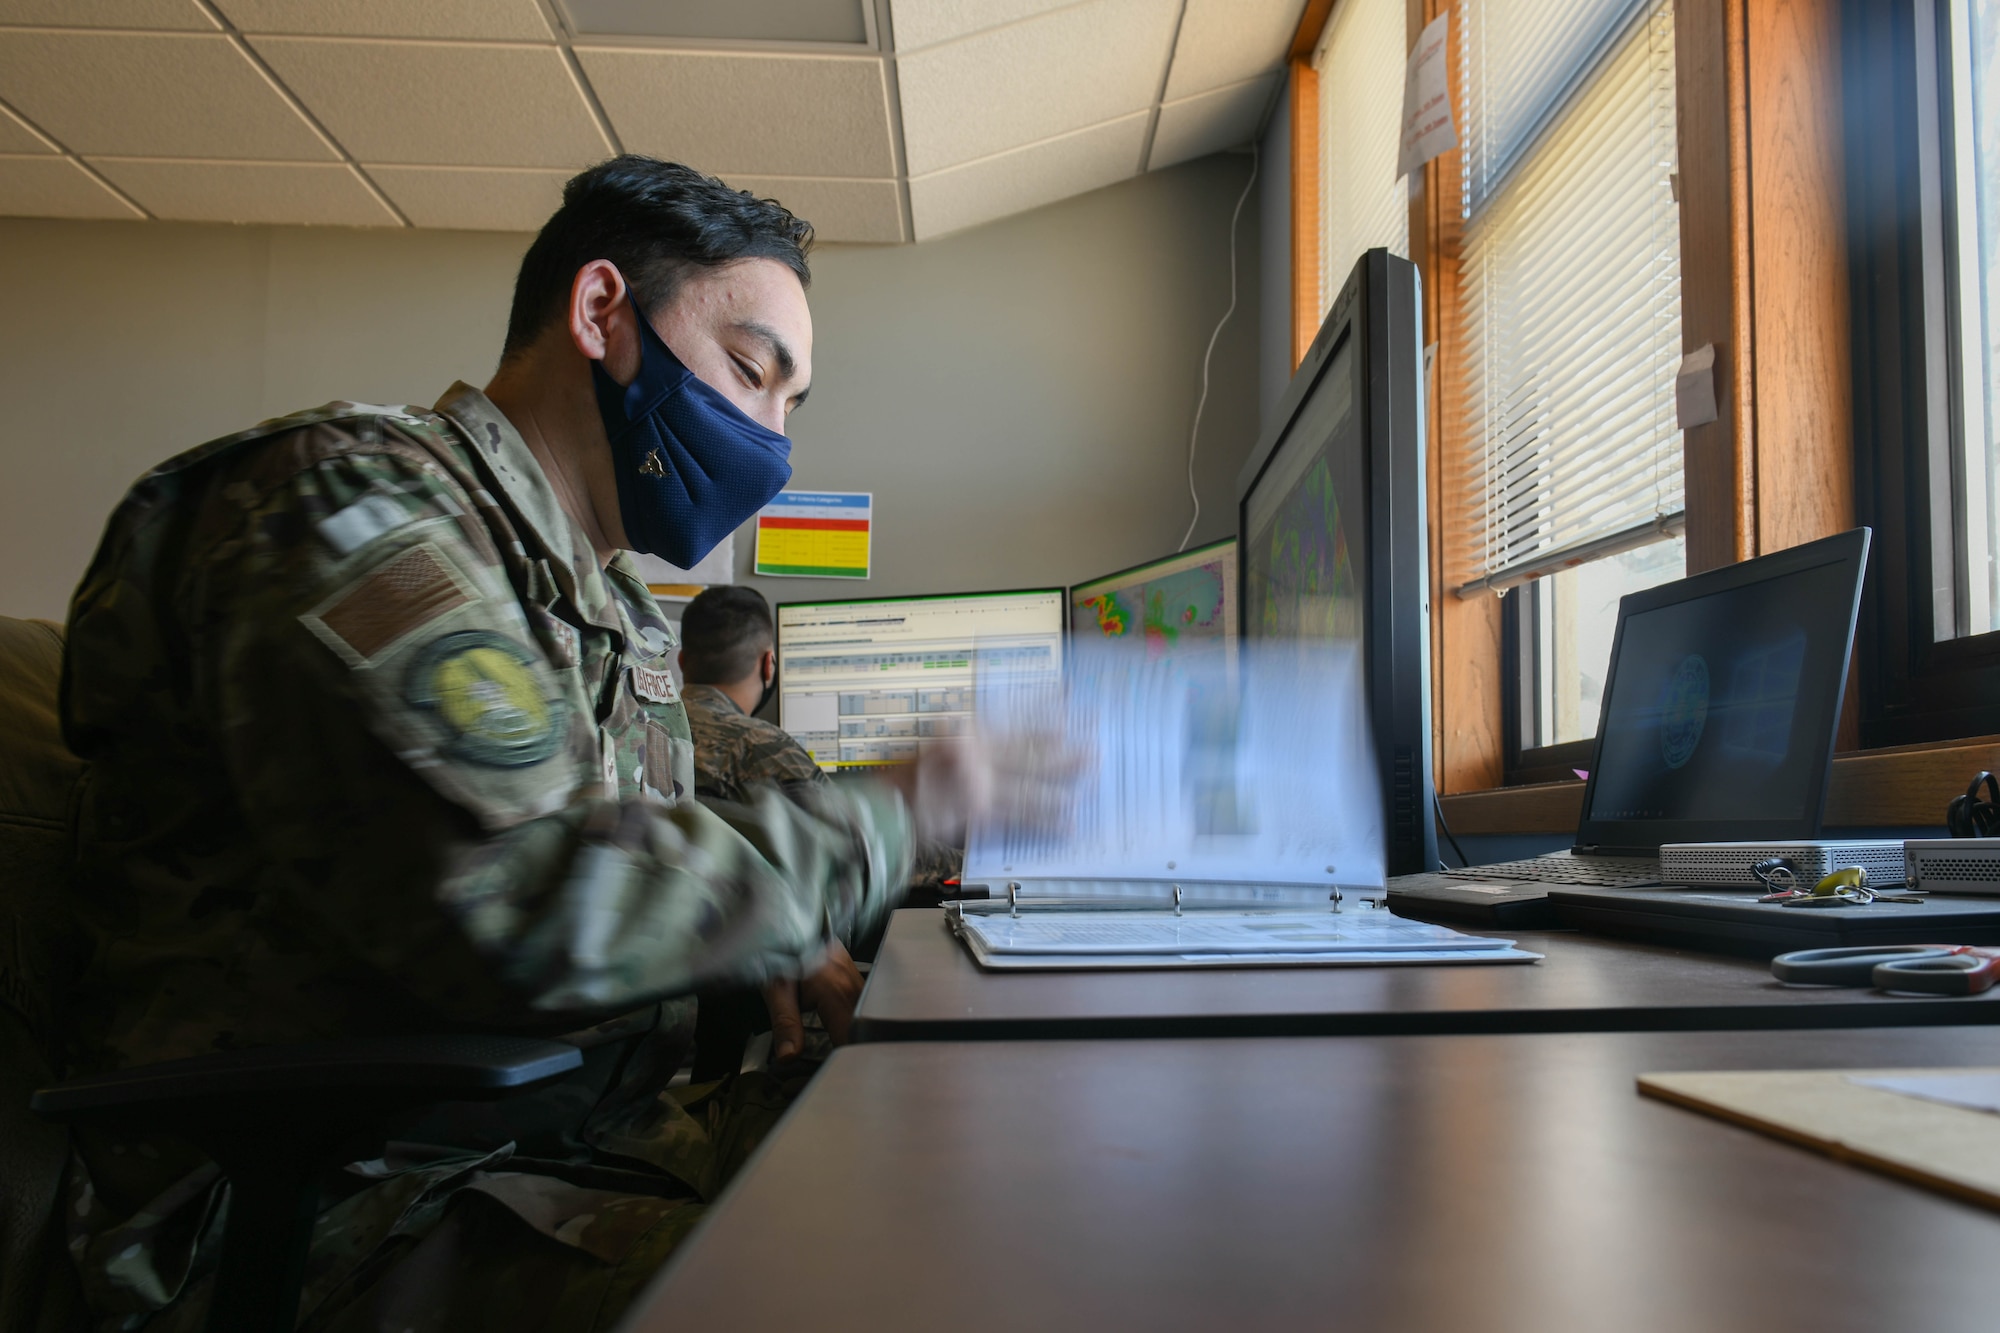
{"x":1762,"y":157}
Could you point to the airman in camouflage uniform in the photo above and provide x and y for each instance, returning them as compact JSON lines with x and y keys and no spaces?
{"x":735,"y":752}
{"x":378,"y":744}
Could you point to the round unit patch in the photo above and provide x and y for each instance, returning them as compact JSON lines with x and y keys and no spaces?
{"x":486,"y":692}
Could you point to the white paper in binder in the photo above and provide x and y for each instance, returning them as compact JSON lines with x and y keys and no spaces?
{"x":1223,"y":814}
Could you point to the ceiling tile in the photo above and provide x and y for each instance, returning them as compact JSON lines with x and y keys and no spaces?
{"x":840,"y":210}
{"x":1227,"y":41}
{"x":501,"y":20}
{"x":920,"y":23}
{"x":1211,"y":122}
{"x":472,"y":198}
{"x":55,"y":187}
{"x":173,"y":14}
{"x":155,"y":95}
{"x":16,"y":137}
{"x":1030,"y":81}
{"x":441,"y":104}
{"x":281,"y":192}
{"x":774,"y":115}
{"x":1027,"y":177}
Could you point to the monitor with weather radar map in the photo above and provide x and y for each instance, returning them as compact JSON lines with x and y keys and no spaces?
{"x":1184,"y":603}
{"x":1332,"y":527}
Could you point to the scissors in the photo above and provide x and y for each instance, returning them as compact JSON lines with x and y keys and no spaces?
{"x":1929,"y":969}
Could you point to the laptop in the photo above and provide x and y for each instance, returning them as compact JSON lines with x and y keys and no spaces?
{"x":1721,"y":702}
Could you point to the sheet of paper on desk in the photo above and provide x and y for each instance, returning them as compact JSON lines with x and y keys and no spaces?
{"x":1197,"y":769}
{"x":1973,"y":1089}
{"x":1318,"y":932}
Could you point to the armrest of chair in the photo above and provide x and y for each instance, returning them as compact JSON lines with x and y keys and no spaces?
{"x":370,"y":1070}
{"x":274,"y":1118}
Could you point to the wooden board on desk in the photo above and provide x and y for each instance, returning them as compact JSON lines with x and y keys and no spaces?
{"x":1948,"y":1148}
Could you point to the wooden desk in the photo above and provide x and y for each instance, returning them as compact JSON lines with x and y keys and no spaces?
{"x":1420,"y":1185}
{"x":924,"y":987}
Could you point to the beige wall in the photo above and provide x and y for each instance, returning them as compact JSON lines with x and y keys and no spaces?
{"x":1017,"y":396}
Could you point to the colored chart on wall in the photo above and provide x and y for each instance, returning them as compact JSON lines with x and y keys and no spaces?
{"x":816,"y":534}
{"x":1164,"y":606}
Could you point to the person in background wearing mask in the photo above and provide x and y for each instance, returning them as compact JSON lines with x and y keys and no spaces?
{"x":729,"y":663}
{"x":382,"y":739}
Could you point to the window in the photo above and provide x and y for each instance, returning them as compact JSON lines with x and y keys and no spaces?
{"x":1569,"y":330}
{"x":1363,"y":202}
{"x":1921,"y":80}
{"x":1971,"y":33}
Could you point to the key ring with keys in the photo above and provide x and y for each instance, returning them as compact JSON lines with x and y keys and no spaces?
{"x":1845,"y":887}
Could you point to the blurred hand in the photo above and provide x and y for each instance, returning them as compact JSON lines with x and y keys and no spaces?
{"x":831,"y":991}
{"x":1019,"y":780}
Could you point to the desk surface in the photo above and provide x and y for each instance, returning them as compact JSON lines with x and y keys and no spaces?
{"x":1426,"y":1185}
{"x":924,"y":986}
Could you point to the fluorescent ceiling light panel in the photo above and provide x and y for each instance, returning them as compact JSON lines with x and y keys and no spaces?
{"x":723,"y":20}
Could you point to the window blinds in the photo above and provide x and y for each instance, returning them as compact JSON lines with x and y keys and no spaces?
{"x":1569,"y":281}
{"x":1363,"y":202}
{"x":1523,"y":62}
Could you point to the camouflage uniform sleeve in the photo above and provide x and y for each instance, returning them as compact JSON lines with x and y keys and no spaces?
{"x":427,"y":775}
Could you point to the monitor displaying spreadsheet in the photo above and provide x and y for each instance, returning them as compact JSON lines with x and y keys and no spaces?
{"x":868,"y":682}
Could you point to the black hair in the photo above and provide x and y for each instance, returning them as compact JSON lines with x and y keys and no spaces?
{"x":658,"y":222}
{"x":723,"y":633}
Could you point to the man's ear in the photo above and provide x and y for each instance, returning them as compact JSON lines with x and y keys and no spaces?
{"x":767,"y":666}
{"x":600,"y":319}
{"x":681,"y":661}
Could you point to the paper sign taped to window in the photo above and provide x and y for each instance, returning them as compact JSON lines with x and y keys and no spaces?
{"x":1694,"y":388}
{"x":1427,"y":126}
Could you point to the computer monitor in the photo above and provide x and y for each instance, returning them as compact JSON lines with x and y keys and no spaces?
{"x":864,"y":682}
{"x":1186,"y":601}
{"x":1722,"y":701}
{"x":1332,"y":524}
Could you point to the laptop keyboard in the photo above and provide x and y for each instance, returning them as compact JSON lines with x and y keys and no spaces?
{"x":1598,"y":872}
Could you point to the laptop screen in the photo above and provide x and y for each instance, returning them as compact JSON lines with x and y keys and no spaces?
{"x":1725,"y":692}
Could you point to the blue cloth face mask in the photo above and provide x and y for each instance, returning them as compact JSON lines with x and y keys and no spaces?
{"x":690,"y":465}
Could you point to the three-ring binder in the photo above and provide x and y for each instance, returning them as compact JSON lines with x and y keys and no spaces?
{"x":1181,"y":903}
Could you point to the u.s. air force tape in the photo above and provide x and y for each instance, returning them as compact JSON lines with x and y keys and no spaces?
{"x":485,"y":691}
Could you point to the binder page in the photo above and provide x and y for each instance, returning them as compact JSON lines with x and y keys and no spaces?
{"x":1319,"y":932}
{"x":1132,"y":962}
{"x":1193,"y":768}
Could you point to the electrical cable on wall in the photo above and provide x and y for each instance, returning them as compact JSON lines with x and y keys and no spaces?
{"x":1202,"y":402}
